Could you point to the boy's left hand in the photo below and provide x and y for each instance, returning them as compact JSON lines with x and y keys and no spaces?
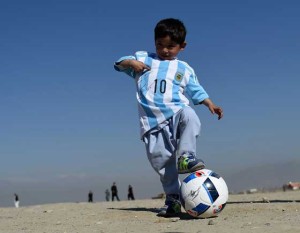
{"x":213,"y":108}
{"x":216,"y":110}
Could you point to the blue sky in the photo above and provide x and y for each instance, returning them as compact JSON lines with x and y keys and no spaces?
{"x":66,"y":114}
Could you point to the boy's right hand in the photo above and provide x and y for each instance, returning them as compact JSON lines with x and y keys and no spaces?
{"x":137,"y":66}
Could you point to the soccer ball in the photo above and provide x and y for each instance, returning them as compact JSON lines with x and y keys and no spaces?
{"x":203,"y":194}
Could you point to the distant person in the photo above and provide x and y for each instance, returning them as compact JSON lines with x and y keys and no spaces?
{"x":107,"y":195}
{"x":169,"y":126}
{"x":90,"y":196}
{"x":284,"y":188}
{"x":114,"y":192}
{"x":17,"y":201}
{"x":130,"y":193}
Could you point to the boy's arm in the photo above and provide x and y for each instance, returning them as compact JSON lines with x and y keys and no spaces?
{"x":213,"y":108}
{"x":137,"y":66}
{"x":199,"y":96}
{"x":126,"y":69}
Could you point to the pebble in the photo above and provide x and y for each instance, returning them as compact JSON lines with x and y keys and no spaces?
{"x":265,"y":200}
{"x":211,"y":222}
{"x":175,"y":219}
{"x":48,"y":211}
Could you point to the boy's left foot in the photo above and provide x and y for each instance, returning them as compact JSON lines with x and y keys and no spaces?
{"x":189,"y":164}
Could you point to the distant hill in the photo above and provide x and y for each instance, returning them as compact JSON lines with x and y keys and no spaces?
{"x":264,"y":176}
{"x":74,"y":189}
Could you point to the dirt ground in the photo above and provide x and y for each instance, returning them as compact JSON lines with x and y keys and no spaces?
{"x":260,"y":212}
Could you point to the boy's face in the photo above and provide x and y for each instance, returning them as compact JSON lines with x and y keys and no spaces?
{"x":167,"y":49}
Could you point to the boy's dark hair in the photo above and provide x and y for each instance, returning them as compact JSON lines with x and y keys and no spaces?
{"x":170,"y":27}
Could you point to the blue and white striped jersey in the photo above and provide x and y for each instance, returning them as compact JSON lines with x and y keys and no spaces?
{"x":161,"y":90}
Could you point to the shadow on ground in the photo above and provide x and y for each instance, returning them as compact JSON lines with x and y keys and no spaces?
{"x":186,"y":216}
{"x":182,"y":216}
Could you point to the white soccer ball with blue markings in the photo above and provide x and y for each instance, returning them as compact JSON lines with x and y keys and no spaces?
{"x":204,"y":194}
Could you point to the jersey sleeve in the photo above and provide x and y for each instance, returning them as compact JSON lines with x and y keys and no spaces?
{"x":195,"y":91}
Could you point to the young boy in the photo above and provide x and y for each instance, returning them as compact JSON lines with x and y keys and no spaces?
{"x":169,"y":127}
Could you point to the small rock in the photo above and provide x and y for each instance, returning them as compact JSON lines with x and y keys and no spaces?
{"x":48,"y":211}
{"x":248,"y":224}
{"x":265,"y":200}
{"x":211,"y":222}
{"x":174,"y":219}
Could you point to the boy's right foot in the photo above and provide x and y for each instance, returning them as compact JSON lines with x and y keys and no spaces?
{"x":189,"y":164}
{"x":172,"y":207}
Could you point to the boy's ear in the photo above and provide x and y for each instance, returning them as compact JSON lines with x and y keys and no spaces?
{"x":183,"y":45}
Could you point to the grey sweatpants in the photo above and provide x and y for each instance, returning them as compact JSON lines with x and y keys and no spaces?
{"x":172,"y":138}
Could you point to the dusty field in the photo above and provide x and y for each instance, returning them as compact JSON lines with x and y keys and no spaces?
{"x":263,"y":212}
